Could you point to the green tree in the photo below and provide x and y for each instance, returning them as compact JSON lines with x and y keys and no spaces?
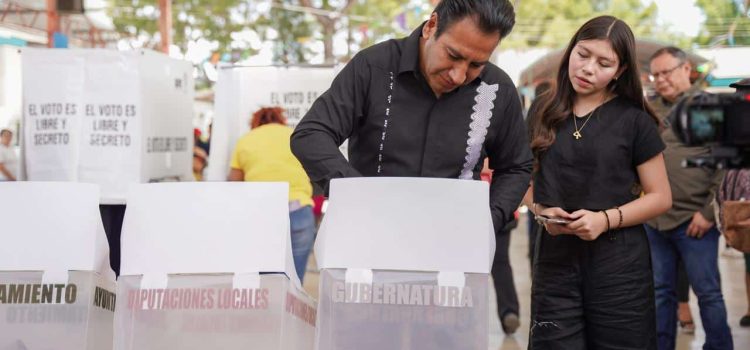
{"x":374,"y":20}
{"x":292,"y":32}
{"x":389,"y":18}
{"x":726,"y":23}
{"x":543,"y":23}
{"x":328,"y":15}
{"x":212,"y":20}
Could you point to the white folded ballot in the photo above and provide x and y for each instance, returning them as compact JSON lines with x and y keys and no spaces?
{"x":56,"y":286}
{"x":106,"y":117}
{"x":209,"y":266}
{"x":404,"y":264}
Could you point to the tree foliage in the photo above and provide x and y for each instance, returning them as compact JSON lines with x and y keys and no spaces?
{"x":552,"y":23}
{"x":368,"y":20}
{"x":727,"y":22}
{"x":296,"y":32}
{"x":212,"y":20}
{"x":290,"y":31}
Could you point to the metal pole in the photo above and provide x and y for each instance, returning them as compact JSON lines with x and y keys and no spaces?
{"x":53,"y":22}
{"x":165,"y":24}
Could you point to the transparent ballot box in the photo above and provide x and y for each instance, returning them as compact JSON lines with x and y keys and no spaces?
{"x":74,"y":315}
{"x":207,"y":312}
{"x":57,"y":290}
{"x":213,"y":270}
{"x":402,"y":310}
{"x":404,"y":264}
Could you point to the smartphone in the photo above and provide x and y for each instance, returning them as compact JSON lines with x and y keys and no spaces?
{"x":552,"y":220}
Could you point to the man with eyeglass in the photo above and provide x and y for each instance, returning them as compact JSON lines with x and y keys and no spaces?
{"x":687,"y":233}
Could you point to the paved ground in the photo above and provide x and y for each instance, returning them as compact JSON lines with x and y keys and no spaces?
{"x":732,"y":273}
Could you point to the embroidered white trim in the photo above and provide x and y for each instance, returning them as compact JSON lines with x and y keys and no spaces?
{"x":385,"y":124}
{"x":480,"y":121}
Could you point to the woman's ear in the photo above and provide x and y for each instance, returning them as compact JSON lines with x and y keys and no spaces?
{"x":620,"y":71}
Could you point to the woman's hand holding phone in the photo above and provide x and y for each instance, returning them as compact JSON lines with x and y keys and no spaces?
{"x":554,"y":221}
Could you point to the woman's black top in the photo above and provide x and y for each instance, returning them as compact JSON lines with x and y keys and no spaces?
{"x":597,"y":171}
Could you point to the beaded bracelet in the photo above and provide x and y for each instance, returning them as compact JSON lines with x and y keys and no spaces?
{"x":607,"y":218}
{"x":619,"y":211}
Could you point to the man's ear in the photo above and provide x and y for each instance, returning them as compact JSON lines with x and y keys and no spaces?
{"x":687,"y":67}
{"x":430,"y":28}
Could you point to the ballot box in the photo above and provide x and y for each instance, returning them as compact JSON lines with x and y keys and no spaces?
{"x":404,"y":264}
{"x":209,"y":266}
{"x":107,"y":117}
{"x":57,"y":290}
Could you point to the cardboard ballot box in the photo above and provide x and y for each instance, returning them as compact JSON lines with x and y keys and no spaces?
{"x":106,"y":117}
{"x":56,"y":286}
{"x":213,"y":270}
{"x":405,"y":265}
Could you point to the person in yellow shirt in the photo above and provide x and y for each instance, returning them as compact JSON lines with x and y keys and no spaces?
{"x":263,"y":154}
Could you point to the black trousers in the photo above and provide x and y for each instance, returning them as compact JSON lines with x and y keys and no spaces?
{"x":593,"y":295}
{"x":683,"y":285}
{"x":112,"y":216}
{"x":502,"y":277}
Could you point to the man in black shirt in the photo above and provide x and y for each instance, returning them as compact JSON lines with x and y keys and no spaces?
{"x":429,"y":105}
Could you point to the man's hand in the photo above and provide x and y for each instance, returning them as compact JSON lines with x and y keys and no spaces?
{"x":588,"y":225}
{"x":698,"y":226}
{"x":555,"y":229}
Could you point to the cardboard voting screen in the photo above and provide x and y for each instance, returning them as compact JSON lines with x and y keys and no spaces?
{"x":106,"y":117}
{"x":416,"y":224}
{"x":198,"y":228}
{"x":240,"y":91}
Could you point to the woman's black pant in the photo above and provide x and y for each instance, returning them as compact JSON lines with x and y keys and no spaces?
{"x":593,"y":295}
{"x":502,"y":277}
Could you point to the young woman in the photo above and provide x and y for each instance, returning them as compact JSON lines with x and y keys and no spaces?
{"x":597,"y":148}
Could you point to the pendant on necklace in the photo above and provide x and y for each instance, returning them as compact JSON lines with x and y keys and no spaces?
{"x":577,"y":134}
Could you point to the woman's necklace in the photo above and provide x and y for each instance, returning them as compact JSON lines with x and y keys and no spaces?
{"x":577,"y":134}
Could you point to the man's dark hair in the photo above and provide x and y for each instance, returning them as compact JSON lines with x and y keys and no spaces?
{"x":675,"y":52}
{"x":492,"y":16}
{"x":4,"y":131}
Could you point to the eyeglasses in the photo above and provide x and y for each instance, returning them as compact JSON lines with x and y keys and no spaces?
{"x":665,"y":73}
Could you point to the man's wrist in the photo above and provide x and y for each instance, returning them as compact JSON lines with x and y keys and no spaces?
{"x":707,"y":214}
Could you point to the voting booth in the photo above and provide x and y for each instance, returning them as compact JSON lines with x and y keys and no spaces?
{"x":242,"y":90}
{"x":213,"y":270}
{"x":106,"y":117}
{"x":404,"y":264}
{"x":56,"y":287}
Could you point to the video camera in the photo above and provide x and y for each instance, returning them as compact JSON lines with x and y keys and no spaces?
{"x":721,"y":121}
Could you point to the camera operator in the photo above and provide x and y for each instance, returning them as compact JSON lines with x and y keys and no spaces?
{"x":736,"y":187}
{"x":687,"y":231}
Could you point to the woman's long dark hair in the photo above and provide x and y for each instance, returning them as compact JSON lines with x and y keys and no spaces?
{"x":557,"y":106}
